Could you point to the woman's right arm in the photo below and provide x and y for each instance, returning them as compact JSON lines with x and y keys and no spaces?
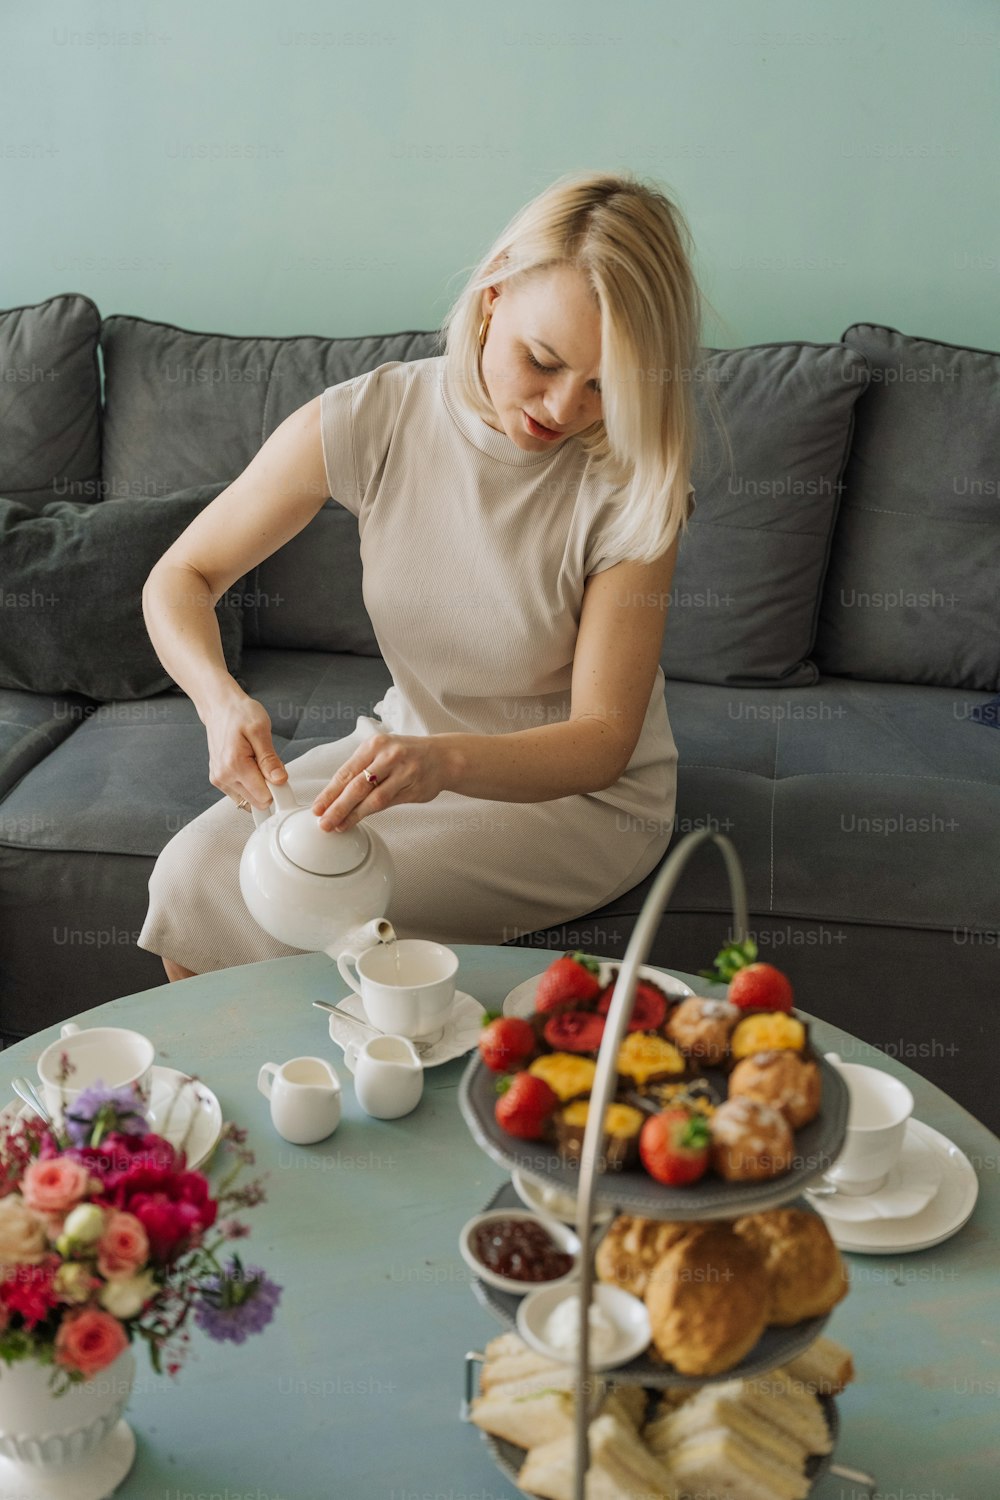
{"x":278,"y":493}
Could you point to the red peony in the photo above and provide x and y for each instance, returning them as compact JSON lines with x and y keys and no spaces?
{"x":173,"y":1207}
{"x":119,"y":1154}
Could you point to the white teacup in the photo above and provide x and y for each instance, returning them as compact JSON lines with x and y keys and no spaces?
{"x":880,"y":1107}
{"x":407,"y":987}
{"x":109,"y":1055}
{"x":305,"y":1098}
{"x":388,"y":1076}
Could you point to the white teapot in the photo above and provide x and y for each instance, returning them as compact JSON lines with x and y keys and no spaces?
{"x":312,"y":889}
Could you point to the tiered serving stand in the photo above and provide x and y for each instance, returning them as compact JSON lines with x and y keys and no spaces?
{"x":816,"y":1147}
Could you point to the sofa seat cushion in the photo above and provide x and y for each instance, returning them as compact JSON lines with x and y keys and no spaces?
{"x":31,"y":726}
{"x":912,"y":592}
{"x":846,"y":802}
{"x":50,"y":401}
{"x":132,"y":774}
{"x":750,"y":569}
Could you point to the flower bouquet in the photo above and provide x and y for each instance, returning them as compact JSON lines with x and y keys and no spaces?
{"x":106,"y":1238}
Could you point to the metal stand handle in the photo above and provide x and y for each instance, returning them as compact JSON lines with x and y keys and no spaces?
{"x":604,"y":1081}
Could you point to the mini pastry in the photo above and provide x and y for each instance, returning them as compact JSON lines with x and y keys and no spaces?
{"x":750,"y":1141}
{"x":567,"y":1075}
{"x":622,"y":1124}
{"x":696,"y":1094}
{"x":649,"y":1059}
{"x":708,"y":1298}
{"x":702,"y":1028}
{"x":632,"y":1247}
{"x":808,"y":1276}
{"x":767,"y":1031}
{"x":786,"y":1080}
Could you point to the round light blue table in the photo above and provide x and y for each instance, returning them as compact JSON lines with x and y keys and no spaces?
{"x":353,"y":1393}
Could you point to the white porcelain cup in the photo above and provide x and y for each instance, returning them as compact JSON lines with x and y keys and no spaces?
{"x":107,"y":1055}
{"x":305,"y":1098}
{"x":388,"y":1075}
{"x":880,"y":1107}
{"x":407,"y":987}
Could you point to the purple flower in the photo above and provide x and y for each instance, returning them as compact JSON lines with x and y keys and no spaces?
{"x":239,"y":1302}
{"x":98,"y":1110}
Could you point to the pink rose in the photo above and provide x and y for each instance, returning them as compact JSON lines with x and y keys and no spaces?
{"x":55,"y":1185}
{"x":89,"y":1340}
{"x":123,"y":1248}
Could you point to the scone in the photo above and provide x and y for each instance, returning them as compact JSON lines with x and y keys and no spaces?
{"x":702,"y":1028}
{"x":787,"y":1081}
{"x":632,"y":1247}
{"x":750,"y":1141}
{"x":708,"y":1299}
{"x":808,"y":1276}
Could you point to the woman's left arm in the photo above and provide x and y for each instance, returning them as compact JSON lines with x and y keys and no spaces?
{"x":614,"y":664}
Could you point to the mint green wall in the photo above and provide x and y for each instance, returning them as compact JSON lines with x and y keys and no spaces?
{"x":261,"y":167}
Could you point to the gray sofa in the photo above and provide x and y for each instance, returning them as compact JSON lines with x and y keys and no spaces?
{"x":832,"y":636}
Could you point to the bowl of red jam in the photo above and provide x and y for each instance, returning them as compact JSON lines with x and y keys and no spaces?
{"x":516,"y":1250}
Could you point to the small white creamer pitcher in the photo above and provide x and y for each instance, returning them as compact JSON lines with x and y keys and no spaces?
{"x":305,"y":1098}
{"x":388,"y":1075}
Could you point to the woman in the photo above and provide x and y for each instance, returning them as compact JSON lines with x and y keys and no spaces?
{"x":519,"y":501}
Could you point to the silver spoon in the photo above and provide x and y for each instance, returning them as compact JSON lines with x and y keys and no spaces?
{"x":25,"y":1089}
{"x":336,"y":1010}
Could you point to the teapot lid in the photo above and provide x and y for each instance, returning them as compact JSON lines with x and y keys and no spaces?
{"x":318,"y":852}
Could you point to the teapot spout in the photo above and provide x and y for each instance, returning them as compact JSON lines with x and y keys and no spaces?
{"x":357,"y":939}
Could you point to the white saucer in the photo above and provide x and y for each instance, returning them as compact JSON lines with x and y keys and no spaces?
{"x":943,"y":1216}
{"x":521,"y":1000}
{"x":193,"y":1125}
{"x":460,"y":1035}
{"x":186,"y":1113}
{"x":909,"y":1187}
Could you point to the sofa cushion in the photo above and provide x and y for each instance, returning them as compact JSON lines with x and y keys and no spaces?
{"x":912,"y":592}
{"x":749,"y":573}
{"x":132,"y":774}
{"x":50,"y":401}
{"x":72,"y":595}
{"x":190,"y":408}
{"x":31,"y":724}
{"x":846,"y":801}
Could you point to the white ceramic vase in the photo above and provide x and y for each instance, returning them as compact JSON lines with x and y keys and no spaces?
{"x":69,"y":1447}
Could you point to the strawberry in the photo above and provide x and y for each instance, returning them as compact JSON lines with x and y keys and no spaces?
{"x":752,"y":985}
{"x":568,"y":982}
{"x":505,"y":1042}
{"x":760,"y":987}
{"x":675,"y":1146}
{"x":574,"y":1031}
{"x":649,"y":1010}
{"x":525,"y":1106}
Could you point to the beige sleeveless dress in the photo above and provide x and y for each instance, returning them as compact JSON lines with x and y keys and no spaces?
{"x":475,"y":556}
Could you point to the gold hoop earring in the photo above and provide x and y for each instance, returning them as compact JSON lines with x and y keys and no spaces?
{"x":482,"y":330}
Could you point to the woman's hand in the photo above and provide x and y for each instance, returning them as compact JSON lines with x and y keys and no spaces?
{"x":241,"y":753}
{"x":386,"y":770}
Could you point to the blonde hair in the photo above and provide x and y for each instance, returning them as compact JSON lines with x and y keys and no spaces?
{"x":634,"y":247}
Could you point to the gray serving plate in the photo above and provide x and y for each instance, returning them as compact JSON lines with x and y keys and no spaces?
{"x":776,"y":1346}
{"x":635,"y":1192}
